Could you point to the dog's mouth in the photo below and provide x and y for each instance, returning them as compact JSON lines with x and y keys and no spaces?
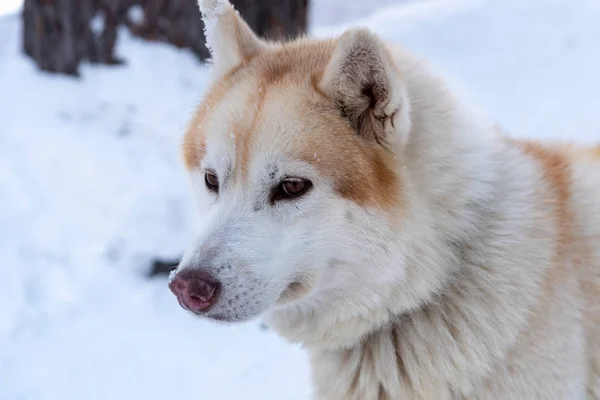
{"x":235,"y":308}
{"x":222,"y":318}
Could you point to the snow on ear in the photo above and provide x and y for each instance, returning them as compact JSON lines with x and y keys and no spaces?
{"x":362,"y":79}
{"x":228,"y":37}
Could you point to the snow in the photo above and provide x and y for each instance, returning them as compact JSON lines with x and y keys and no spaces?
{"x":97,"y":23}
{"x":135,"y":14}
{"x":93,"y":187}
{"x":10,"y":6}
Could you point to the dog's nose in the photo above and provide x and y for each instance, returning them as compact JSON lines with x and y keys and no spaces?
{"x":196,"y":290}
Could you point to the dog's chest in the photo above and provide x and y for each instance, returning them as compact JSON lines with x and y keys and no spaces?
{"x":371,"y":371}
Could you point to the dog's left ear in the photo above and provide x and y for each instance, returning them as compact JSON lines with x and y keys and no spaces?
{"x":228,"y":37}
{"x":364,"y":82}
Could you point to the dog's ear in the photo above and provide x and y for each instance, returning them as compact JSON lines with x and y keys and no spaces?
{"x":364,"y":82}
{"x":228,"y":37}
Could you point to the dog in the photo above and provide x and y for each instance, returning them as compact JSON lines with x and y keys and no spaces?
{"x":358,"y":207}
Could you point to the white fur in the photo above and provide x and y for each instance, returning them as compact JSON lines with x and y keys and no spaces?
{"x":228,"y":38}
{"x":457,"y":296}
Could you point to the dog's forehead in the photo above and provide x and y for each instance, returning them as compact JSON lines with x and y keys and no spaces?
{"x":273,"y":110}
{"x":255,"y":124}
{"x":262,"y":102}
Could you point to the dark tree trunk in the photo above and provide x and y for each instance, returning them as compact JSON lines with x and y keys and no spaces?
{"x":97,"y":26}
{"x":59,"y":34}
{"x":175,"y":21}
{"x":274,"y":19}
{"x":178,"y":21}
{"x":49,"y":35}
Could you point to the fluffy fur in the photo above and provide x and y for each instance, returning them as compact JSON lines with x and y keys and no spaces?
{"x":433,"y":257}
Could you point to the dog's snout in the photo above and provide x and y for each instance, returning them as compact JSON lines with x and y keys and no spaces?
{"x":195,"y":290}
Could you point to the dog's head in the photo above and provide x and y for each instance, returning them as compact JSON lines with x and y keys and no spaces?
{"x":297,"y":158}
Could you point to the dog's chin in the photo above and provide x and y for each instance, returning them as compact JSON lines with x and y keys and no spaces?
{"x":225,"y":318}
{"x":222,"y":316}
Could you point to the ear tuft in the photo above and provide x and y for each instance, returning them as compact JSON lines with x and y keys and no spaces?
{"x":363,"y":80}
{"x":211,"y":9}
{"x":228,"y":37}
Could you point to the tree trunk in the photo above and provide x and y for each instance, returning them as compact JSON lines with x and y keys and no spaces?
{"x":59,"y":34}
{"x":274,"y":19}
{"x":179,"y":21}
{"x":49,"y":35}
{"x":175,"y":21}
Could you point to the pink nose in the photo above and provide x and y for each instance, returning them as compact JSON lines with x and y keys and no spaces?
{"x":196,"y":290}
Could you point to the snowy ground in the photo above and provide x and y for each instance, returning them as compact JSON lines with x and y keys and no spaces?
{"x":10,"y":6}
{"x":92,"y":187}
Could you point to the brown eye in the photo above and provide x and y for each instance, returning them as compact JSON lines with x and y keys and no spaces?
{"x":291,"y":188}
{"x":212,"y":182}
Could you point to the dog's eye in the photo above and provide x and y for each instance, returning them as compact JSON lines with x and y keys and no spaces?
{"x":212,"y":181}
{"x":291,"y":188}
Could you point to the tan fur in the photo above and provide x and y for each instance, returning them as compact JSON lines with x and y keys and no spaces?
{"x":194,"y":139}
{"x":555,"y":166}
{"x":465,"y":264}
{"x":357,"y":168}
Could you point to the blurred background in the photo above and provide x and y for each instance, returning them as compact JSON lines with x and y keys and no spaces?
{"x":95,"y":205}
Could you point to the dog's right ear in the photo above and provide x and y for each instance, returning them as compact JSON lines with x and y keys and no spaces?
{"x":228,"y":37}
{"x":364,"y":82}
